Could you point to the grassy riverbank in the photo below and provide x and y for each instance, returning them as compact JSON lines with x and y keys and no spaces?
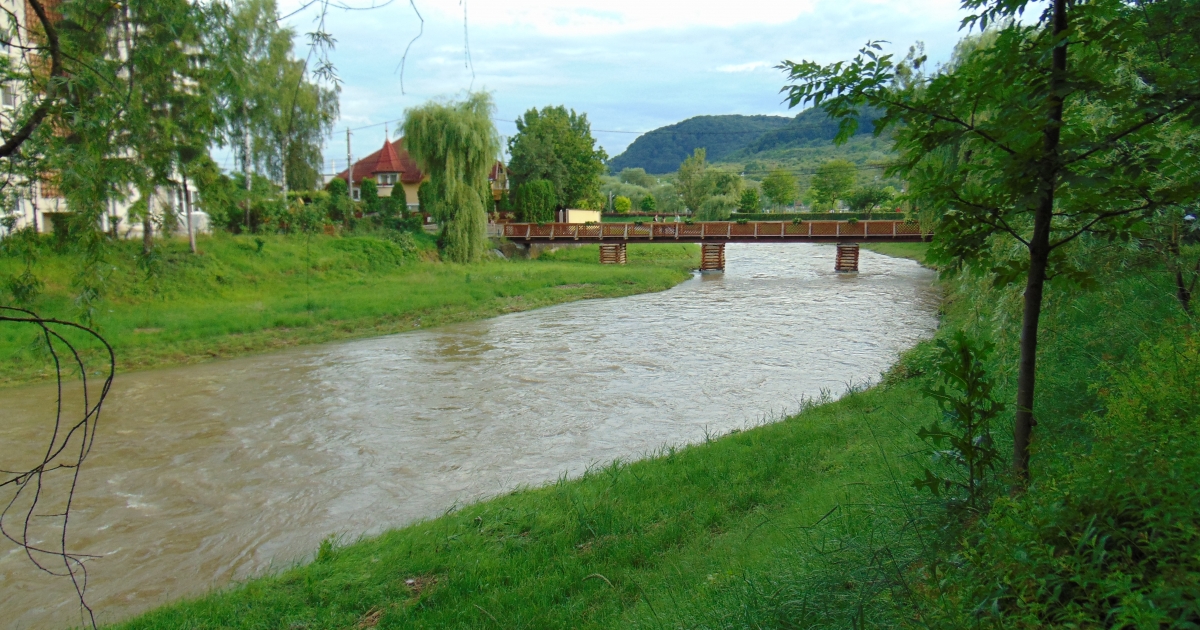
{"x":249,"y":294}
{"x":809,"y":522}
{"x":912,"y":251}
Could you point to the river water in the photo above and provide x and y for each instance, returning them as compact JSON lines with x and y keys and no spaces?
{"x":211,"y":473}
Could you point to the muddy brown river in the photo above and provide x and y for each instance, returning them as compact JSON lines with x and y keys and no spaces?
{"x":208,"y":474}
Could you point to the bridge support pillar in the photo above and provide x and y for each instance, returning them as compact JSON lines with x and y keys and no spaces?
{"x":847,"y":258}
{"x":712,"y":257}
{"x":612,"y":254}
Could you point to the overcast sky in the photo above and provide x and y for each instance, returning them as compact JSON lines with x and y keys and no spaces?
{"x":631,"y":65}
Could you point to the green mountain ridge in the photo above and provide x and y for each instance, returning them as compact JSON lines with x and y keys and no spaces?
{"x":731,"y":138}
{"x":662,"y":150}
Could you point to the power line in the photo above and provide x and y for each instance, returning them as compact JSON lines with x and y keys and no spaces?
{"x":660,"y":131}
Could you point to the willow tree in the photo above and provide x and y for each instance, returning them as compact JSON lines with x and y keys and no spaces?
{"x":456,"y":144}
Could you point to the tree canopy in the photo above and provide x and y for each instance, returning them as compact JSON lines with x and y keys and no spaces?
{"x":780,"y":188}
{"x":556,"y":145}
{"x":1075,"y":122}
{"x":832,"y":181}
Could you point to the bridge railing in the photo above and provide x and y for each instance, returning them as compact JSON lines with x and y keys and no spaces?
{"x":713,"y":229}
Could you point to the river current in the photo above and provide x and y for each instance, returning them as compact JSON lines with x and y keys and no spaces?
{"x":207,"y":474}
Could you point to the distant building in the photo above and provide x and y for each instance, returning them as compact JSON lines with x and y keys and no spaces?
{"x":38,"y":203}
{"x":574,"y":215}
{"x":392,"y":166}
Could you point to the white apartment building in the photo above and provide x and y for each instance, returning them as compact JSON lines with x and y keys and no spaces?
{"x":39,"y":203}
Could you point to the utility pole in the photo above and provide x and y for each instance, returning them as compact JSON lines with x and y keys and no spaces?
{"x":349,"y":167}
{"x":187,"y":207}
{"x":283,"y":167}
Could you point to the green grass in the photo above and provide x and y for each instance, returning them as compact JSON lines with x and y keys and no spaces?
{"x":234,"y":299}
{"x":912,"y":251}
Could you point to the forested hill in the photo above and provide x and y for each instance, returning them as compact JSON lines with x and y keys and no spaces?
{"x":664,"y":149}
{"x":811,"y":125}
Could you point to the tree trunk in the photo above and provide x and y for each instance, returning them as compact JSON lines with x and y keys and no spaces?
{"x":283,"y":170}
{"x":147,"y":229}
{"x":187,"y":207}
{"x":1039,"y":250}
{"x":246,"y":162}
{"x":1174,"y":260}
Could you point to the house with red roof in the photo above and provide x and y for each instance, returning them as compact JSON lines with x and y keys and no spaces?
{"x":394,"y":170}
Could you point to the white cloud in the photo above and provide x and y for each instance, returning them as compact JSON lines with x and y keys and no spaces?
{"x":600,"y":17}
{"x":628,"y":64}
{"x":746,"y":67}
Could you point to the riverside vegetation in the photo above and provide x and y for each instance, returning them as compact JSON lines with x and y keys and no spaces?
{"x":815,"y":521}
{"x":247,"y":294}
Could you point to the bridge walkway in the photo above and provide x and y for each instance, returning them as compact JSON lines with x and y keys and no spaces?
{"x":713,"y":235}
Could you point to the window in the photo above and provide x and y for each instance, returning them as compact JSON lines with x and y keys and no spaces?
{"x":388,"y":179}
{"x":8,"y":96}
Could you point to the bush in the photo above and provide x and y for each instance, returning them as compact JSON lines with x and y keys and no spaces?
{"x":536,"y":201}
{"x":368,"y":194}
{"x":426,"y":198}
{"x":648,"y":203}
{"x":749,"y":202}
{"x":1112,"y":543}
{"x":867,"y":198}
{"x":622,"y":205}
{"x":964,"y":453}
{"x":716,"y":208}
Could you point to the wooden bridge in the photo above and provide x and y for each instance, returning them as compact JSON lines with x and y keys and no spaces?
{"x":713,"y":235}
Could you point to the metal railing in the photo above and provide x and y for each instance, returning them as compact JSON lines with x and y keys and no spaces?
{"x":722,"y":231}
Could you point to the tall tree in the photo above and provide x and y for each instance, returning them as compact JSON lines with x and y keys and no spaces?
{"x":691,"y":182}
{"x":1053,"y":128}
{"x":456,"y":145}
{"x":556,"y":145}
{"x":780,"y":188}
{"x":832,"y":181}
{"x":275,"y":115}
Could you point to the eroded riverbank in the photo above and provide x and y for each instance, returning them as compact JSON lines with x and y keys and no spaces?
{"x":216,"y":472}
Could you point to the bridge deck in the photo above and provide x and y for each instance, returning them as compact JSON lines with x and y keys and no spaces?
{"x":724,"y":232}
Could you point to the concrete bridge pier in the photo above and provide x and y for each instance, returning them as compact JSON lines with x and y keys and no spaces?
{"x":847,"y":258}
{"x":612,"y":254}
{"x":712,"y":257}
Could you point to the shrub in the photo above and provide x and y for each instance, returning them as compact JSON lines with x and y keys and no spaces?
{"x":536,"y":201}
{"x":1112,"y":543}
{"x":716,"y":208}
{"x":368,"y":194}
{"x":648,"y":203}
{"x":749,"y":201}
{"x":622,"y":205}
{"x":965,"y":468}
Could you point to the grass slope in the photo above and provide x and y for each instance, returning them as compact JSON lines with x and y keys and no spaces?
{"x":235,"y":299}
{"x":912,"y":251}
